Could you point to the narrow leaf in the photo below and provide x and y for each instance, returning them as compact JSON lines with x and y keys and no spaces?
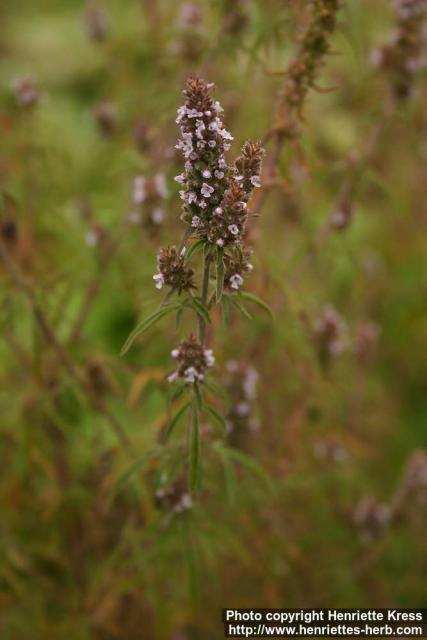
{"x":127,"y":475}
{"x":190,"y":556}
{"x":215,"y":388}
{"x":177,"y":391}
{"x":198,"y":396}
{"x":250,"y":464}
{"x":250,"y":297}
{"x":201,"y":310}
{"x":172,"y":424}
{"x":219,"y":274}
{"x":195,"y":248}
{"x":241,"y":307}
{"x":194,"y":450}
{"x":179,"y":317}
{"x":229,"y":477}
{"x":218,"y":417}
{"x":144,"y":325}
{"x":225,"y":307}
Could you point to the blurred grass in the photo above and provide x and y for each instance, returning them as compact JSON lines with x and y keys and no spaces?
{"x":78,"y":558}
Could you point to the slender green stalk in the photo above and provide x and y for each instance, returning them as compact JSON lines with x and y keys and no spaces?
{"x":193,"y":446}
{"x":204,"y":296}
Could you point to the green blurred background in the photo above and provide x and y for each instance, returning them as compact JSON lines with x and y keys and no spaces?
{"x":317,"y":494}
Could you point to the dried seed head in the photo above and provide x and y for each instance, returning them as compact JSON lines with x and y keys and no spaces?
{"x":172,"y":271}
{"x":192,"y":359}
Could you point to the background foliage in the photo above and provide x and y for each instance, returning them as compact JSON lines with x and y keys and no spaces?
{"x":316,"y":494}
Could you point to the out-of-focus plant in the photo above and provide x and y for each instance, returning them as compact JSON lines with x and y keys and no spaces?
{"x":96,"y":536}
{"x":299,"y":77}
{"x":404,"y":56}
{"x":373,"y":517}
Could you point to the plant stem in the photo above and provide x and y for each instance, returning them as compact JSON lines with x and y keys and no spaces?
{"x":193,"y":446}
{"x":204,"y":296}
{"x":64,"y":358}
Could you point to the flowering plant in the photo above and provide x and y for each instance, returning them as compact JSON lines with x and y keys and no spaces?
{"x":216,"y":207}
{"x":403,"y":56}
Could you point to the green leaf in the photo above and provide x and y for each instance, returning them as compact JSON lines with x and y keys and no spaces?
{"x":146,"y":324}
{"x":198,"y":396}
{"x":191,"y":559}
{"x":172,"y":424}
{"x":201,"y":310}
{"x":195,"y":248}
{"x":239,"y":252}
{"x":229,"y":477}
{"x":179,"y":317}
{"x":250,"y":464}
{"x":177,"y":391}
{"x":127,"y":475}
{"x":225,"y":308}
{"x":218,"y":417}
{"x":216,"y":389}
{"x":241,"y":308}
{"x":194,"y":450}
{"x":250,"y":297}
{"x":219,"y":274}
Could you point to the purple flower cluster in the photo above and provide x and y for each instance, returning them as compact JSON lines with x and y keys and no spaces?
{"x":216,"y":198}
{"x":330,"y":334}
{"x":404,"y":56}
{"x":235,"y":268}
{"x":408,"y":9}
{"x":148,"y":196}
{"x":26,"y":92}
{"x":172,"y":271}
{"x":215,"y":194}
{"x":241,"y":382}
{"x":193,"y":360}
